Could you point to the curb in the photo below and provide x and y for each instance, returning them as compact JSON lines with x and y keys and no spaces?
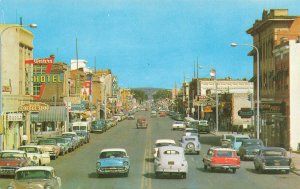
{"x":296,"y":172}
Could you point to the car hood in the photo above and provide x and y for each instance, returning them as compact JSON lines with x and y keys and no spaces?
{"x":112,"y":161}
{"x":48,"y":147}
{"x":32,"y":183}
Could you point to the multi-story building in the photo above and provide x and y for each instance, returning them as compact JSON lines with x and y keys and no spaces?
{"x":275,"y":27}
{"x":16,"y":47}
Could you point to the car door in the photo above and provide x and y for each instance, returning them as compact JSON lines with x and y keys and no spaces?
{"x":45,"y":157}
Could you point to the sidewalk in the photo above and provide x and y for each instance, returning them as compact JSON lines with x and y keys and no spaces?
{"x":295,"y":165}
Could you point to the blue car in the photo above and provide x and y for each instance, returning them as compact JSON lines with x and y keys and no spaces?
{"x":113,"y":161}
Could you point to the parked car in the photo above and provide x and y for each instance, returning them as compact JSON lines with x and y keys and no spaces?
{"x":74,"y":137}
{"x":35,"y":177}
{"x":98,"y":126}
{"x":170,"y":160}
{"x":131,"y":117}
{"x":249,"y":148}
{"x":160,"y":143}
{"x":162,"y":114}
{"x":62,"y":144}
{"x":178,"y":117}
{"x":12,"y":160}
{"x":67,"y":142}
{"x":113,"y":161}
{"x":190,"y":144}
{"x":223,"y":158}
{"x":36,"y":154}
{"x":50,"y":146}
{"x":272,"y":159}
{"x":84,"y":135}
{"x":72,"y":142}
{"x":141,"y":123}
{"x":236,"y":141}
{"x":178,"y":125}
{"x":226,"y":140}
{"x":192,"y":132}
{"x":188,"y":120}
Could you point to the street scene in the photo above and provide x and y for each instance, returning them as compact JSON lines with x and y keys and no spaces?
{"x":149,"y":95}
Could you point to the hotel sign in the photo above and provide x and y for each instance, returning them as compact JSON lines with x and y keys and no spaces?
{"x":15,"y":117}
{"x":48,"y":78}
{"x":34,"y":107}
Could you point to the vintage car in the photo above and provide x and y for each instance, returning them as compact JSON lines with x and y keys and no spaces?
{"x":12,"y":160}
{"x":188,"y":120}
{"x":272,"y":158}
{"x":35,"y":177}
{"x":153,"y":113}
{"x":178,"y":125}
{"x":74,"y":137}
{"x":225,"y":140}
{"x":72,"y":142}
{"x":131,"y":116}
{"x":113,"y":161}
{"x":249,"y":148}
{"x":36,"y":154}
{"x":190,"y":144}
{"x":160,"y":143}
{"x":62,"y":144}
{"x":236,"y":141}
{"x":170,"y":160}
{"x":224,"y":158}
{"x":162,"y":114}
{"x":192,"y":132}
{"x":98,"y":126}
{"x":67,"y":142}
{"x":50,"y":146}
{"x":141,"y":123}
{"x":85,"y":136}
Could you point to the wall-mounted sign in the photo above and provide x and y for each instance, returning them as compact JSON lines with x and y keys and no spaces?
{"x":34,"y":107}
{"x":245,"y":113}
{"x":40,"y":61}
{"x":207,"y":109}
{"x":15,"y":117}
{"x":6,"y":88}
{"x":48,"y":78}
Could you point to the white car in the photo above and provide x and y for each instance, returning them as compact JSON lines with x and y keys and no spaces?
{"x":178,"y":125}
{"x":170,"y":160}
{"x":35,"y":177}
{"x":162,"y":142}
{"x":192,"y":132}
{"x":36,"y":154}
{"x":188,"y":120}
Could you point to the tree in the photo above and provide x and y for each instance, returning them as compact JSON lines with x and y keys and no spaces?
{"x":139,"y":95}
{"x":162,"y":94}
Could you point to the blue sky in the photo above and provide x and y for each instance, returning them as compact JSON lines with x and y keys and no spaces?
{"x":146,"y":43}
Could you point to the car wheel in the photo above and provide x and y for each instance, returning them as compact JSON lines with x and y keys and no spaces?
{"x":205,"y":167}
{"x":40,"y":163}
{"x":287,"y":171}
{"x":233,"y":170}
{"x":157,"y":175}
{"x":260,"y":170}
{"x":242,"y":157}
{"x":126,"y":174}
{"x":198,"y":152}
{"x":212,"y":169}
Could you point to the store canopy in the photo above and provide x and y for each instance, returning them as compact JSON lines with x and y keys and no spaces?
{"x":55,"y":113}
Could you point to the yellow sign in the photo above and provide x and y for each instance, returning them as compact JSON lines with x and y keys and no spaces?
{"x":51,"y":78}
{"x":208,"y":109}
{"x":33,"y":107}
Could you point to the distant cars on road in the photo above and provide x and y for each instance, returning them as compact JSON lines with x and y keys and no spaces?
{"x":141,"y":123}
{"x":178,"y":125}
{"x":190,"y":144}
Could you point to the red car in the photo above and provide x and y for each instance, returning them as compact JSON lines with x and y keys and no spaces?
{"x":223,"y":158}
{"x":162,"y":114}
{"x":12,"y":160}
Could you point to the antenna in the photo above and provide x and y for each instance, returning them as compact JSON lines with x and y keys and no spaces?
{"x":76,"y":53}
{"x":95,"y":63}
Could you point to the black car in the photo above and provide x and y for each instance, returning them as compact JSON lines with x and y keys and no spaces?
{"x":272,"y":159}
{"x":98,"y":126}
{"x":249,"y":148}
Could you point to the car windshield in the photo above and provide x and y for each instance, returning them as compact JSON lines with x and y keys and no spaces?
{"x":29,"y":149}
{"x":60,"y":140}
{"x":112,"y":154}
{"x":274,"y":153}
{"x":33,"y":174}
{"x":47,"y":142}
{"x":192,"y":131}
{"x":12,"y":155}
{"x":79,"y":128}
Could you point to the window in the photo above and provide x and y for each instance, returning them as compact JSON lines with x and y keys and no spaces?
{"x":169,"y":152}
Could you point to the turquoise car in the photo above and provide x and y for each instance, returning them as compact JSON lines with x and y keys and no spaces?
{"x":113,"y":161}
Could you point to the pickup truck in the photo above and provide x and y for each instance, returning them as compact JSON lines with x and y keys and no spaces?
{"x":222,"y":158}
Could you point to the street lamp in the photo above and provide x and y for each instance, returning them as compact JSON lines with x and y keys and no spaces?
{"x":213,"y":75}
{"x":5,"y":29}
{"x":257,"y":83}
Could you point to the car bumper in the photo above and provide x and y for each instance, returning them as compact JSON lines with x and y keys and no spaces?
{"x":276,"y":168}
{"x":225,"y":166}
{"x":171,"y":170}
{"x":112,"y":170}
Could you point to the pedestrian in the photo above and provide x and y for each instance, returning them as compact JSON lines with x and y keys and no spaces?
{"x":24,"y":139}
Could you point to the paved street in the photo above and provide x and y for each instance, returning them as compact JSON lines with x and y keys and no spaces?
{"x":77,"y":169}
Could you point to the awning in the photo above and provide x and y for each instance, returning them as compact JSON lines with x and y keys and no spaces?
{"x":55,"y":113}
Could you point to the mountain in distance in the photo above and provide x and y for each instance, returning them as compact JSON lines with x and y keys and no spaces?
{"x":150,"y":91}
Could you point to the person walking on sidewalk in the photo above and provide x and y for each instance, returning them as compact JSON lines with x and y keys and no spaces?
{"x":24,"y":139}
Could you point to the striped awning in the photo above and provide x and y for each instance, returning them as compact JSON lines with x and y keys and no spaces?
{"x":55,"y":113}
